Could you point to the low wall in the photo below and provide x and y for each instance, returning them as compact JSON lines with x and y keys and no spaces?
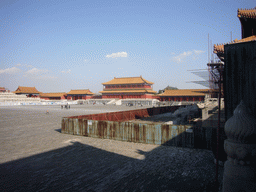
{"x":151,"y":133}
{"x":117,"y":126}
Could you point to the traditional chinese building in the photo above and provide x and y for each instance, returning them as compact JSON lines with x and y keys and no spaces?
{"x":184,"y":95}
{"x":28,"y":91}
{"x":247,"y":18}
{"x":240,"y":106}
{"x":127,"y":88}
{"x":79,"y":94}
{"x":53,"y":96}
{"x":2,"y":89}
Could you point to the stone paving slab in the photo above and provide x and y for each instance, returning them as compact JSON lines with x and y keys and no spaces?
{"x":35,"y":156}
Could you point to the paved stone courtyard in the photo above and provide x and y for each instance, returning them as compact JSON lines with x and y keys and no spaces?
{"x":35,"y":156}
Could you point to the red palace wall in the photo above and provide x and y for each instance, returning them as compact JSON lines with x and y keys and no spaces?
{"x":128,"y":95}
{"x":52,"y":98}
{"x":79,"y":97}
{"x":147,"y":96}
{"x":88,"y":97}
{"x":96,"y":97}
{"x":182,"y":98}
{"x":142,"y":96}
{"x":155,"y":97}
{"x":45,"y":98}
{"x":33,"y":96}
{"x":63,"y":97}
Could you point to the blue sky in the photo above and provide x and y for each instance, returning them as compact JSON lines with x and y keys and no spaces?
{"x":61,"y":45}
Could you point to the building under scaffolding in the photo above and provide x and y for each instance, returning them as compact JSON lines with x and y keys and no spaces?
{"x":212,"y":76}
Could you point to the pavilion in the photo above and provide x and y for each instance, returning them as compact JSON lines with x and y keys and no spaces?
{"x":2,"y":89}
{"x":128,"y":88}
{"x":79,"y":94}
{"x":28,"y":91}
{"x":53,"y":96}
{"x":184,"y":95}
{"x":247,"y":18}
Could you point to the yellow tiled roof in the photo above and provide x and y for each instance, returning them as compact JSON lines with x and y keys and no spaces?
{"x":247,"y":13}
{"x":31,"y":90}
{"x":80,"y":92}
{"x":128,"y":80}
{"x":52,"y":94}
{"x":185,"y":92}
{"x":220,"y":48}
{"x":129,"y":91}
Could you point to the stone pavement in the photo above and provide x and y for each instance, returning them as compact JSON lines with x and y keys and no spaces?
{"x":35,"y":156}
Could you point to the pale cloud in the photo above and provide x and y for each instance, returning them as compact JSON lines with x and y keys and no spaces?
{"x":68,"y":71}
{"x":45,"y":77}
{"x":181,"y":57}
{"x":197,"y":52}
{"x":118,"y":54}
{"x":40,"y":77}
{"x":35,"y":71}
{"x":11,"y":71}
{"x":19,"y":65}
{"x":28,"y":66}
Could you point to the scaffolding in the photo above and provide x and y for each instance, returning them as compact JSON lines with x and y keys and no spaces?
{"x":211,"y":77}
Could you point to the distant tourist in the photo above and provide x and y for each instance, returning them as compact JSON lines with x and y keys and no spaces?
{"x":47,"y":112}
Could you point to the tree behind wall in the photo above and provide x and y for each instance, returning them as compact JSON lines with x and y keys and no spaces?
{"x":170,"y":88}
{"x":167,"y":88}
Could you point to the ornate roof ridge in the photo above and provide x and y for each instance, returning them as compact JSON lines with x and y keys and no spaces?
{"x":247,"y":13}
{"x":185,"y":92}
{"x":128,"y":80}
{"x":220,"y":47}
{"x":126,"y":77}
{"x":55,"y":92}
{"x":26,"y":86}
{"x":79,"y":90}
{"x":242,"y":9}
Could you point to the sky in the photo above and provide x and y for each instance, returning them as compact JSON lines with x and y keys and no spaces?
{"x":59,"y":45}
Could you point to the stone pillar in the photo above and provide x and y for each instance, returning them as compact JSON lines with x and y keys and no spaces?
{"x":240,"y":146}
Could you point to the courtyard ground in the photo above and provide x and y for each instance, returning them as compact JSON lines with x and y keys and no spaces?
{"x":35,"y":156}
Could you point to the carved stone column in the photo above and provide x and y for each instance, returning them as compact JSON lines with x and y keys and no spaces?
{"x":240,"y":146}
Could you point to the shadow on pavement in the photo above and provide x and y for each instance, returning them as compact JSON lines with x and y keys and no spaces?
{"x":80,"y":167}
{"x":58,"y":130}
